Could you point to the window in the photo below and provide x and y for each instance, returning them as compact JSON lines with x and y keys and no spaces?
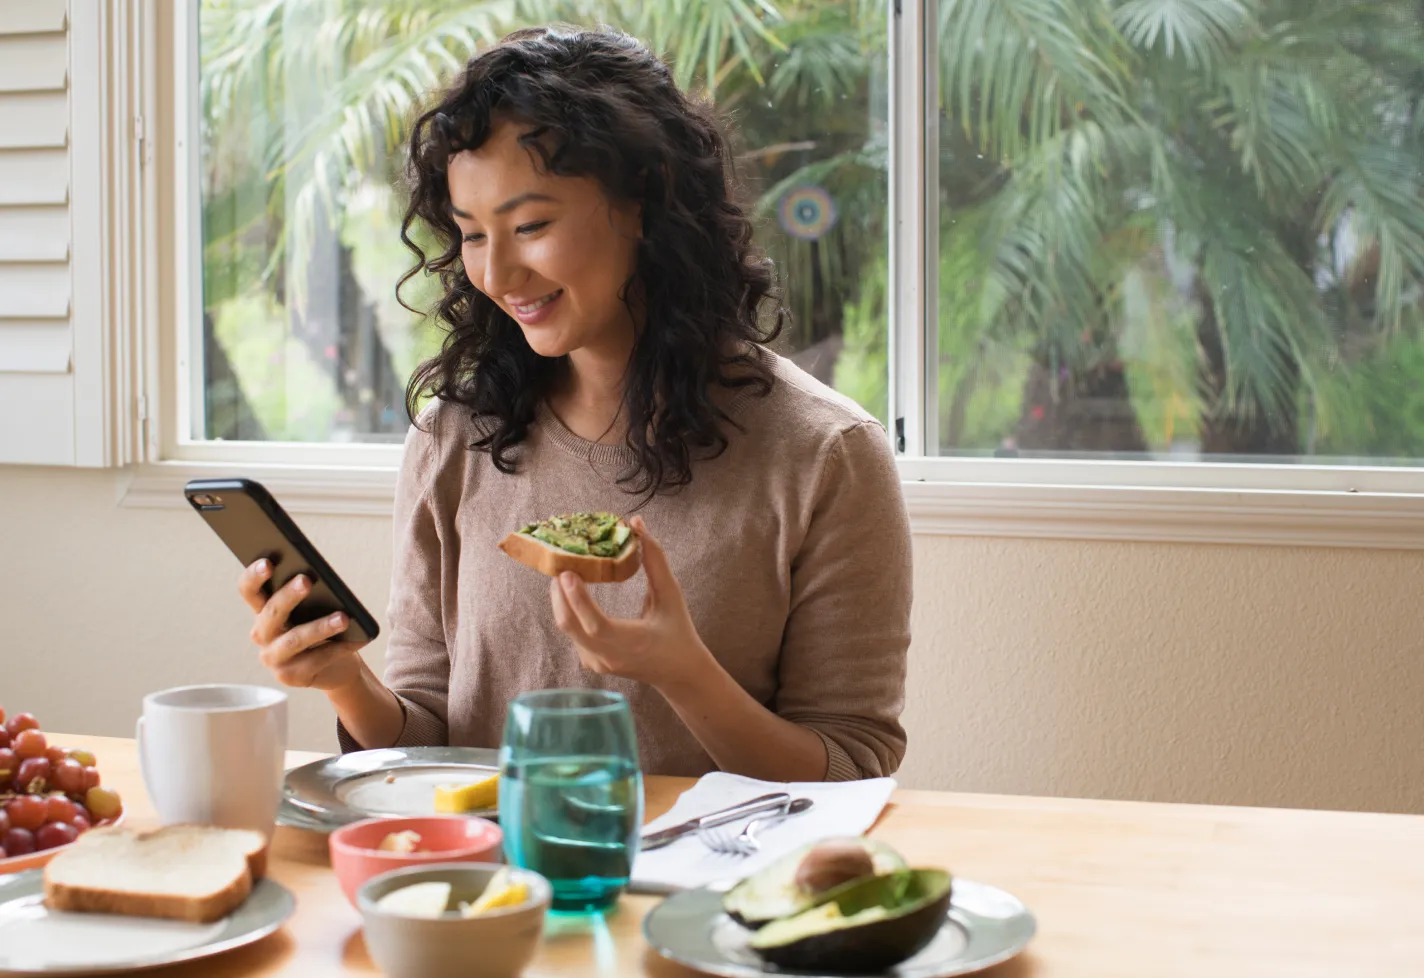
{"x":1182,"y":230}
{"x":304,"y":112}
{"x":1092,"y":261}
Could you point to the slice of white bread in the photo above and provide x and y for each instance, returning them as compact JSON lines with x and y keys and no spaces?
{"x":196,"y":873}
{"x":553,"y":561}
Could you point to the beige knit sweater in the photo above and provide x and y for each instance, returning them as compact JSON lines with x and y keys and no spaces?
{"x":792,"y":547}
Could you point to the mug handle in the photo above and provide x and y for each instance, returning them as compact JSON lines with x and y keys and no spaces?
{"x":142,"y":755}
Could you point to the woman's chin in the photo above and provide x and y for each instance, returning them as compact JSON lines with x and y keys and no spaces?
{"x":546,"y":341}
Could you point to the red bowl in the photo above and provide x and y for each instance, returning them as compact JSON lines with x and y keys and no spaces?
{"x":443,"y":839}
{"x":34,"y":860}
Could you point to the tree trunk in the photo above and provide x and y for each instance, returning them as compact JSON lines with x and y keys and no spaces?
{"x":1225,"y":434}
{"x":1079,"y":411}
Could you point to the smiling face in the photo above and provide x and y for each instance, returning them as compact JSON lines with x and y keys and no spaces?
{"x":551,"y":251}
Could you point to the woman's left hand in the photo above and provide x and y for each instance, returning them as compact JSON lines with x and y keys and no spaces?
{"x":660,"y":648}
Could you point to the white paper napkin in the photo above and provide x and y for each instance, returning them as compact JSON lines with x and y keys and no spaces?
{"x":839,"y":808}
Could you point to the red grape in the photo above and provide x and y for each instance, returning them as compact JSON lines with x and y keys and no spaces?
{"x":4,"y":822}
{"x":19,"y":842}
{"x":3,"y":854}
{"x":55,"y":834}
{"x":33,"y":776}
{"x":9,"y":765}
{"x":2,"y":716}
{"x":84,"y":757}
{"x":103,"y":803}
{"x":4,"y":736}
{"x":68,"y":777}
{"x":29,"y":743}
{"x":60,"y":809}
{"x":55,"y":754}
{"x":21,"y":721}
{"x":91,"y":778}
{"x":26,"y":812}
{"x":81,"y":824}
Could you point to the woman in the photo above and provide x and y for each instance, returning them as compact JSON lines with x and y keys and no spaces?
{"x":607,"y":351}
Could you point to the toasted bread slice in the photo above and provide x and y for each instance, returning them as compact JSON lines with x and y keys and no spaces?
{"x":182,"y":872}
{"x":546,"y":558}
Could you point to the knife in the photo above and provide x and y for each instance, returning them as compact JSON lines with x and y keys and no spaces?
{"x":765,"y":803}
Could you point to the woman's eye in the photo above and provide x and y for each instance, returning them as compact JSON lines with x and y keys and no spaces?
{"x":531,"y":228}
{"x":473,"y":238}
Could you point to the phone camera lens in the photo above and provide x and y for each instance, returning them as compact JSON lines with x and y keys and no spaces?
{"x":203,"y":499}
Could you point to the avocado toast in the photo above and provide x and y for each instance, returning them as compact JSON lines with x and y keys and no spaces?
{"x":601,"y":548}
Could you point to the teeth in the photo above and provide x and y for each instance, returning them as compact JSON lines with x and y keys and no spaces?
{"x":535,"y":306}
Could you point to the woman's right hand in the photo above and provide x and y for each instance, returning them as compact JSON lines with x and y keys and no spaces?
{"x":301,"y":655}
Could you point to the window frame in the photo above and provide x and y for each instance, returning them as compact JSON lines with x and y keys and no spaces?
{"x":1323,"y":505}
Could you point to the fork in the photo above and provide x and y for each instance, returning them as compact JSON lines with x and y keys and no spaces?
{"x":719,"y":838}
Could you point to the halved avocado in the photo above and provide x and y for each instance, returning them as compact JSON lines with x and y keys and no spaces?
{"x":774,"y":892}
{"x":865,"y":926}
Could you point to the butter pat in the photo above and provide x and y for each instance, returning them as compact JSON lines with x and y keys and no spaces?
{"x":455,"y":799}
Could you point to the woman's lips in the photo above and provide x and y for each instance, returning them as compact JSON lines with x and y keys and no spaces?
{"x":533,"y":313}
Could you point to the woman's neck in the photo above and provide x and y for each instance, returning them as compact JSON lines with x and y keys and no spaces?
{"x":589,"y":400}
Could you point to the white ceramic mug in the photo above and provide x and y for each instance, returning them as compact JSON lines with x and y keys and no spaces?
{"x":214,"y":755}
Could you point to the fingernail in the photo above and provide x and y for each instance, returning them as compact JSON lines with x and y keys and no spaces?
{"x":567,"y":579}
{"x":260,"y":567}
{"x":336,"y":621}
{"x":300,"y":583}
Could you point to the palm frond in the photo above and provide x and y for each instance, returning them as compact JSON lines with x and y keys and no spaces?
{"x":1378,"y":189}
{"x":1016,"y":72}
{"x":1199,"y":31}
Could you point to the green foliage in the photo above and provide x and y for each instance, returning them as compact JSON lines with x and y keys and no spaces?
{"x":1225,"y":194}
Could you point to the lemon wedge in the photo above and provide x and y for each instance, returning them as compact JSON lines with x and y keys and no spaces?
{"x":499,"y":892}
{"x":453,"y":799}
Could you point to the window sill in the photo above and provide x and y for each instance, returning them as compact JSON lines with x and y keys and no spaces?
{"x":1271,"y":517}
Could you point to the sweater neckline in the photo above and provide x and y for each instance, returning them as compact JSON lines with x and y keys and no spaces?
{"x":598,"y":452}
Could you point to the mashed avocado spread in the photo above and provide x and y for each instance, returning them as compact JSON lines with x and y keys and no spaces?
{"x":596,"y":534}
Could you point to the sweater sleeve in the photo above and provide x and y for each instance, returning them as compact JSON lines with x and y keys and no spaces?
{"x":417,"y":660}
{"x":843,"y":655}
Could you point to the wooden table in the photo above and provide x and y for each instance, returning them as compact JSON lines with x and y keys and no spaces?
{"x":1119,"y":888}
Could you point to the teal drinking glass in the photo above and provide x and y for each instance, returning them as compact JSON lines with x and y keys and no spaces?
{"x":571,"y":793}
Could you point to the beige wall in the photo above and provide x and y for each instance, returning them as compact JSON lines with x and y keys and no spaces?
{"x":1263,"y":676}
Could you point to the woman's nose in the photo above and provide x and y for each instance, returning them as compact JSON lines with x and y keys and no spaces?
{"x":503,"y":272}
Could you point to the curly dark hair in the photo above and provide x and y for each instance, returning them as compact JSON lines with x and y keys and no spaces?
{"x":599,"y":104}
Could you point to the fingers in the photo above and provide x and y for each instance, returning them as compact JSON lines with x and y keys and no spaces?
{"x":301,"y":670}
{"x":272,"y":616}
{"x":571,"y":625}
{"x":250,"y":582}
{"x":564,"y":615}
{"x":590,"y":616}
{"x":279,"y":653}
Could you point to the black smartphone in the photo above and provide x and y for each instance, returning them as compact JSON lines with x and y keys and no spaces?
{"x":245,"y":517}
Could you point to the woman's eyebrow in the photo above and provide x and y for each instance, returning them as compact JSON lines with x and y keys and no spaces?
{"x":508,"y":205}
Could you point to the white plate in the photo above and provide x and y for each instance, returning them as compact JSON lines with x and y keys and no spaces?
{"x":37,"y":941}
{"x":985,"y":926}
{"x":399,"y":781}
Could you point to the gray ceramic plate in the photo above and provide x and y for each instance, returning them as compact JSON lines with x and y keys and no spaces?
{"x":985,"y":926}
{"x":324,"y":795}
{"x":35,"y":941}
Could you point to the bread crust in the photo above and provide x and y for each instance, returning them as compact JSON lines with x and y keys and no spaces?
{"x":201,"y":910}
{"x":551,"y":561}
{"x":73,"y":898}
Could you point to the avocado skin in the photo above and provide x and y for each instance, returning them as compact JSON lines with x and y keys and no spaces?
{"x":876,"y":946}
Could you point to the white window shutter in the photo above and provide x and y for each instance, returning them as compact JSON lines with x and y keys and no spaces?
{"x":71,"y":191}
{"x":37,"y":383}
